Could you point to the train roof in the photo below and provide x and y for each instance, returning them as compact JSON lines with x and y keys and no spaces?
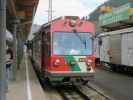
{"x":122,"y":31}
{"x":56,"y":19}
{"x":62,"y":17}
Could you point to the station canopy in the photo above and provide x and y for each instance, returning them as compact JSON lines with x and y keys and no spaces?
{"x":25,"y":9}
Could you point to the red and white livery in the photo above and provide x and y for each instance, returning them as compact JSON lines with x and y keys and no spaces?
{"x":65,"y":49}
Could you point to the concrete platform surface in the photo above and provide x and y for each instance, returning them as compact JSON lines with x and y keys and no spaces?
{"x":26,"y":86}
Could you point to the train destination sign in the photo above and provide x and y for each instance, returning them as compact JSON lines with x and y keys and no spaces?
{"x":118,"y":14}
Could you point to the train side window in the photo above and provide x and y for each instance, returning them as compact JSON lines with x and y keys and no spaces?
{"x":48,"y":43}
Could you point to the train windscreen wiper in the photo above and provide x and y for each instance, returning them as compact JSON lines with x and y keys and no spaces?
{"x":82,"y":40}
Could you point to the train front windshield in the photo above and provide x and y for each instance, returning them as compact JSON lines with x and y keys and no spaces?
{"x":65,"y":43}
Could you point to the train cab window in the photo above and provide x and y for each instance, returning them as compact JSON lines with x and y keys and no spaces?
{"x":65,"y":43}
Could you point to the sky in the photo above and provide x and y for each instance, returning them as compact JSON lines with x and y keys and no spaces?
{"x":65,"y":8}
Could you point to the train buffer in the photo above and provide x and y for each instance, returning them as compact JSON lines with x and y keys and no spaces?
{"x":26,"y":86}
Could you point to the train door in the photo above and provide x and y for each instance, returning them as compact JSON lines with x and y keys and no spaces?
{"x":39,"y":52}
{"x":115,"y":49}
{"x":124,"y":49}
{"x":45,"y":50}
{"x":104,"y":48}
{"x":130,"y":49}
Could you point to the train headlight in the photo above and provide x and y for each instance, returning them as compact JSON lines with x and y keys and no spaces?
{"x":72,"y":22}
{"x":89,"y":62}
{"x":56,"y":62}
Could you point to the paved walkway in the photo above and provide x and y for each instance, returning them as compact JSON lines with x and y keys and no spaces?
{"x":26,"y":86}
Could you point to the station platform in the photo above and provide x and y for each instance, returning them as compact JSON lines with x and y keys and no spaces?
{"x":26,"y":86}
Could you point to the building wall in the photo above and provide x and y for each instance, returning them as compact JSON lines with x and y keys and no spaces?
{"x":114,"y":3}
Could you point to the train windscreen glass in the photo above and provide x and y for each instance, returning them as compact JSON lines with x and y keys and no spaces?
{"x":68,"y":43}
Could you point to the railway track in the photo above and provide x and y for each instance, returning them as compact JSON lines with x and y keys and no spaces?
{"x":95,"y":93}
{"x":71,"y":92}
{"x":86,"y":92}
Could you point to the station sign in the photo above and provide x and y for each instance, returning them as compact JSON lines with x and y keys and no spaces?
{"x":118,"y":14}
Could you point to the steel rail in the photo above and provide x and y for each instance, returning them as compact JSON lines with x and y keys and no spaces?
{"x":98,"y":91}
{"x":71,"y":92}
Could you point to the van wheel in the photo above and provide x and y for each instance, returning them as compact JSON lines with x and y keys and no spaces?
{"x":113,"y":68}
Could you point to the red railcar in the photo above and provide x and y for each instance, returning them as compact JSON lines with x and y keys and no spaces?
{"x":65,"y":49}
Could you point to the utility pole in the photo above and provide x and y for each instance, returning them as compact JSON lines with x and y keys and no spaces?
{"x":50,"y":11}
{"x":2,"y":48}
{"x":50,"y":18}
